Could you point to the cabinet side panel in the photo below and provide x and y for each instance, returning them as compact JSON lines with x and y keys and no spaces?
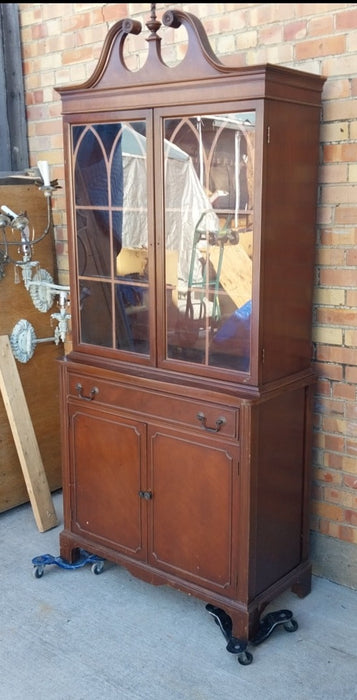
{"x":280,"y":487}
{"x":289,"y":238}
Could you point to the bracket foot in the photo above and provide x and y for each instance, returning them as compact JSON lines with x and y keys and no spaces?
{"x":234,"y":645}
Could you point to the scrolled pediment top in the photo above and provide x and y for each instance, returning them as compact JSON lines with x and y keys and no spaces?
{"x":195,"y":30}
{"x":112,"y":69}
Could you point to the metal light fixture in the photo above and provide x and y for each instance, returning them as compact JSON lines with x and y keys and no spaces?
{"x":38,"y":282}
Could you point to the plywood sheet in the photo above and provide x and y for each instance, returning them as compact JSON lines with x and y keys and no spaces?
{"x":236,"y":272}
{"x":39,"y":376}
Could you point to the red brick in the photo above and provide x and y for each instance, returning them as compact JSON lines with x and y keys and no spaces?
{"x":321,"y":25}
{"x":332,"y":460}
{"x":327,"y":477}
{"x":346,"y":19}
{"x":342,"y":277}
{"x":330,"y":511}
{"x":339,"y":236}
{"x":326,"y":46}
{"x":295,"y":30}
{"x":347,"y":534}
{"x":350,"y":481}
{"x":334,"y":443}
{"x":330,"y":256}
{"x":323,"y":387}
{"x":351,"y":259}
{"x":351,"y":374}
{"x":344,"y":391}
{"x":343,"y":152}
{"x":351,"y":517}
{"x":351,"y":447}
{"x":337,"y":317}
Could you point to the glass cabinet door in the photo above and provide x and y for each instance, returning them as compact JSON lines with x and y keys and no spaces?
{"x":110,"y":199}
{"x":208,"y":189}
{"x":208,"y":233}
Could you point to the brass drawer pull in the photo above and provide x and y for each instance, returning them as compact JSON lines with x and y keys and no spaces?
{"x":203,"y":420}
{"x":91,"y":396}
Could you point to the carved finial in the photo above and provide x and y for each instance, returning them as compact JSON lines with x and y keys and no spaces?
{"x":153,"y":24}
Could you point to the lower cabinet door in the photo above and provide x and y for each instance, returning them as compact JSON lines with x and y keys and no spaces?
{"x":108,"y":456}
{"x":193,"y":519}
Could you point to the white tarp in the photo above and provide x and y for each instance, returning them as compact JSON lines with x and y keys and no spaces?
{"x":185,"y":202}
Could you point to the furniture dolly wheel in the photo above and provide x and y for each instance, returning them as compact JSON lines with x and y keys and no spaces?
{"x":291,"y":626}
{"x":97,"y":567}
{"x":245,"y":658}
{"x":38,"y":571}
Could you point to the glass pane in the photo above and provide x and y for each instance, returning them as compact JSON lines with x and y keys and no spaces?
{"x":93,"y":242}
{"x":131,"y":266}
{"x":133,"y":315}
{"x":110,"y":184}
{"x":96,"y":313}
{"x":209,"y":169}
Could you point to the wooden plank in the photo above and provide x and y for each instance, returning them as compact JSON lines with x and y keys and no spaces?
{"x":25,"y":439}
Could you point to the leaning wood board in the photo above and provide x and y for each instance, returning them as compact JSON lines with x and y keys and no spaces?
{"x":25,"y":439}
{"x":39,"y":376}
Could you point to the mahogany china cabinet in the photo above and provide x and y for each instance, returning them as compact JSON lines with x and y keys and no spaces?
{"x":186,"y":396}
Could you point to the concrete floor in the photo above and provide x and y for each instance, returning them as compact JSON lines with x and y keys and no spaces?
{"x":71,"y":635}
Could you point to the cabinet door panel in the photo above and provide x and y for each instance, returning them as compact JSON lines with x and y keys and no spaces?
{"x":111,"y":212}
{"x":209,"y":198}
{"x":107,"y":453}
{"x":192,"y":533}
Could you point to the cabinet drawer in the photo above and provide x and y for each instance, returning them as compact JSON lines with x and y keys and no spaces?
{"x":193,"y":413}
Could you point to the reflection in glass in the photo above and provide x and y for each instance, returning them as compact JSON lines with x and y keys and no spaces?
{"x":93,"y":243}
{"x":96,"y":305}
{"x":208,"y":236}
{"x":111,"y":225}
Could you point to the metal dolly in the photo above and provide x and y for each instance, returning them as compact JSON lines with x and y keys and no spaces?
{"x":84,"y":558}
{"x":266,"y":626}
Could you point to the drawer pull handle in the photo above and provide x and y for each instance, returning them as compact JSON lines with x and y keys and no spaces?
{"x":203,"y":420}
{"x":91,"y":396}
{"x":145,"y":494}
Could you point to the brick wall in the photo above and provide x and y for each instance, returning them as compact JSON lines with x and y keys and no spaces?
{"x":61,"y":44}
